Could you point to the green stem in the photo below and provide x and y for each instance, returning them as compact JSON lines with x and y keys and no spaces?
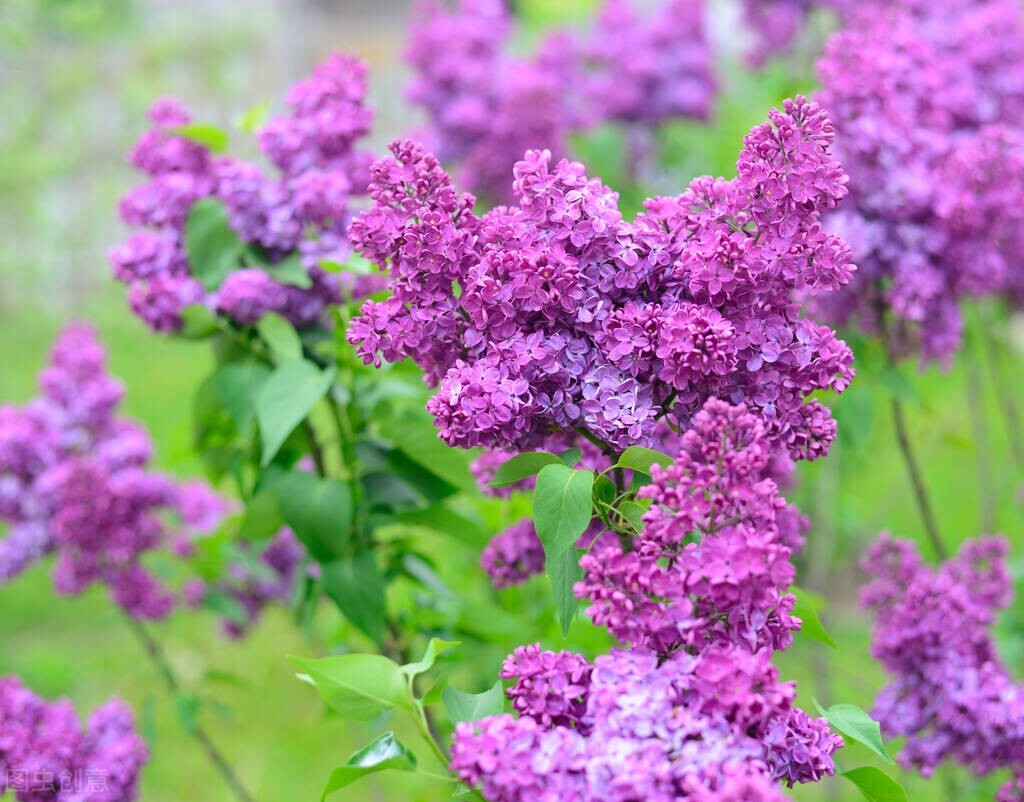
{"x":157,"y":656}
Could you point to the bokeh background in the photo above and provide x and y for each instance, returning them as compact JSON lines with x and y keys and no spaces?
{"x":76,"y":77}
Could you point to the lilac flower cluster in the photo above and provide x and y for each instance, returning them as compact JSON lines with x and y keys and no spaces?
{"x":256,"y":579}
{"x":558,"y":316}
{"x":951,"y":696}
{"x":693,"y":709}
{"x":45,"y":755}
{"x":927,"y":99}
{"x":487,"y":107}
{"x":296,"y":217}
{"x":74,"y":481}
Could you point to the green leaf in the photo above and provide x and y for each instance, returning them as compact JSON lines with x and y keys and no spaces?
{"x":898,"y":385}
{"x":570,"y":456}
{"x":188,"y":711}
{"x":205,"y":134}
{"x":523,"y":466}
{"x":561,"y":507}
{"x":288,"y":396}
{"x":425,"y":663}
{"x":239,"y":385}
{"x":290,"y":271}
{"x":385,"y":752}
{"x":254,"y":118}
{"x":419,"y":443}
{"x":197,"y":322}
{"x":358,"y":588}
{"x":226,"y":606}
{"x":806,"y":611}
{"x":633,"y":512}
{"x":641,"y":459}
{"x":461,"y":706}
{"x":262,"y":517}
{"x":280,"y":337}
{"x":359,"y":686}
{"x":855,"y":415}
{"x":318,"y":510}
{"x":212,"y":246}
{"x":561,"y":513}
{"x":876,"y":785}
{"x":565,"y":572}
{"x":441,"y":519}
{"x":857,"y":725}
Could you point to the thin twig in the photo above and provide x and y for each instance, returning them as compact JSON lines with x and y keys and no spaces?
{"x":917,"y":480}
{"x":156,"y":654}
{"x":980,"y":432}
{"x":924,"y":506}
{"x":1007,"y":404}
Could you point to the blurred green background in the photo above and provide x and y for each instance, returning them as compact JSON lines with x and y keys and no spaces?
{"x":75,"y":79}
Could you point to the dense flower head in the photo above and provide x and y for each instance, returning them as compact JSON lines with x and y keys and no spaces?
{"x":487,"y":106}
{"x":717,"y":725}
{"x":289,"y":222}
{"x":46,"y":756}
{"x":75,"y":481}
{"x":711,"y":562}
{"x":693,"y":708}
{"x":927,"y":99}
{"x":556,"y":315}
{"x":951,"y":696}
{"x":258,"y":575}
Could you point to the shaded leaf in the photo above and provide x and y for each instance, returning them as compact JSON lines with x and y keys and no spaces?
{"x":285,"y":400}
{"x":318,"y":510}
{"x":280,"y":337}
{"x":641,"y":459}
{"x":358,"y":588}
{"x":425,"y":663}
{"x":523,"y":466}
{"x":212,"y":246}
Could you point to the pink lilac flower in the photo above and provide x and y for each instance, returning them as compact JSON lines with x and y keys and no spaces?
{"x":557,"y":316}
{"x":926,"y":99}
{"x":693,"y":709}
{"x":75,"y":481}
{"x":950,"y":696}
{"x":46,"y":756}
{"x":300,"y":213}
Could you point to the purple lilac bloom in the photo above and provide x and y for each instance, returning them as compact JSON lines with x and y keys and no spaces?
{"x":926,"y":99}
{"x":486,"y":107}
{"x":646,"y":68}
{"x":556,"y":315}
{"x":693,"y":709}
{"x":951,"y":695}
{"x":300,"y":213}
{"x":75,"y":482}
{"x":46,"y":756}
{"x":255,"y":579}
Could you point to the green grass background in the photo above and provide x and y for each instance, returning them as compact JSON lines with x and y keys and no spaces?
{"x":75,"y":78}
